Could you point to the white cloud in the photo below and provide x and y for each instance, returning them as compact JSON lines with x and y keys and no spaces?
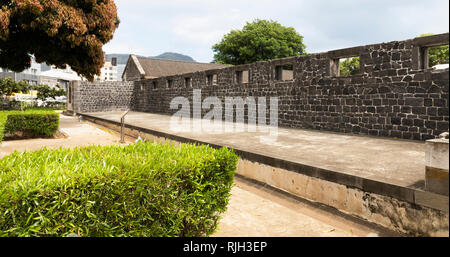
{"x":192,"y":26}
{"x":206,"y":30}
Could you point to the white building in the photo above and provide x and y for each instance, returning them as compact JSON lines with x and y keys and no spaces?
{"x":52,"y":76}
{"x":61,"y":77}
{"x":109,"y":71}
{"x":30,"y":75}
{"x":441,"y":66}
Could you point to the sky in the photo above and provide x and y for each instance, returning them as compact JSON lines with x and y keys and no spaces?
{"x":192,"y":27}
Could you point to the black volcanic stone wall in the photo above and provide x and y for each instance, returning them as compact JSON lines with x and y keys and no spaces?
{"x":393,"y":96}
{"x":102,"y":96}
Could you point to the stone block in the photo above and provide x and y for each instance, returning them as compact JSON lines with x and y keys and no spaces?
{"x":437,"y":166}
{"x":432,"y":200}
{"x":414,"y":101}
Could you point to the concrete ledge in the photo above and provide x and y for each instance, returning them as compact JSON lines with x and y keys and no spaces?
{"x":434,"y":40}
{"x":432,"y":200}
{"x":347,"y":52}
{"x":403,"y":209}
{"x":367,"y":185}
{"x":386,"y":211}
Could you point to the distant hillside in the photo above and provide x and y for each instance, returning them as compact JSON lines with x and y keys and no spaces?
{"x":175,"y":57}
{"x":123,"y":58}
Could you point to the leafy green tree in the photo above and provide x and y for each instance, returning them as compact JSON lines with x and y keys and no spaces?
{"x":8,"y":87}
{"x":437,"y":54}
{"x":349,"y":66}
{"x":45,"y":92}
{"x":258,"y":41}
{"x":57,"y":32}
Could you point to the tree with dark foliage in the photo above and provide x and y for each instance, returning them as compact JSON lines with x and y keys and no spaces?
{"x":57,"y":32}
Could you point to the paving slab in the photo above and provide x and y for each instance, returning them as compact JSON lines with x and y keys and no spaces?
{"x":257,"y":211}
{"x":392,"y":161}
{"x":250,"y":215}
{"x":78,"y":134}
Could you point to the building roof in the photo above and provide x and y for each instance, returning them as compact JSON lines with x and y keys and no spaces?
{"x":441,"y":66}
{"x":59,"y":74}
{"x":153,"y":68}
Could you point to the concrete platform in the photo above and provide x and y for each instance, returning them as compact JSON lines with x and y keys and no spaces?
{"x":370,"y":177}
{"x":396,"y":162}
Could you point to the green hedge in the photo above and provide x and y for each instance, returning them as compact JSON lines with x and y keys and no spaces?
{"x":38,"y":122}
{"x":3,"y":118}
{"x":144,"y":189}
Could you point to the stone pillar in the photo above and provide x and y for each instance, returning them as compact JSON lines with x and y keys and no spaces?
{"x":437,"y":162}
{"x":69,"y":95}
{"x":76,"y":98}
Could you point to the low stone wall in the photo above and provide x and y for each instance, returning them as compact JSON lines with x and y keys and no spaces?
{"x":394,"y":95}
{"x":101,"y":96}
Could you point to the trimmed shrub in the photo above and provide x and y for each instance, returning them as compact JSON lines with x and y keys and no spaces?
{"x":37,"y":124}
{"x":33,"y":121}
{"x":144,"y":189}
{"x":3,"y":118}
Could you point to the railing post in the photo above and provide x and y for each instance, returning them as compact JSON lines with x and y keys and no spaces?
{"x":122,"y":122}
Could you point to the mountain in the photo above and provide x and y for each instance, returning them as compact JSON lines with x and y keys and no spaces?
{"x":123,"y":58}
{"x":175,"y":57}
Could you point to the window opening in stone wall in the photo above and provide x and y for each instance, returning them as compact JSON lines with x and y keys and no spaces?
{"x":242,"y":76}
{"x":284,"y":72}
{"x":349,"y":66}
{"x":211,"y":80}
{"x":438,"y":57}
{"x":187,"y":82}
{"x":345,"y":66}
{"x":154,"y":84}
{"x":169,"y":83}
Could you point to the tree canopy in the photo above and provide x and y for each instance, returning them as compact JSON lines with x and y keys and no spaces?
{"x":258,"y":41}
{"x":45,"y":92}
{"x":438,"y":55}
{"x":57,"y":32}
{"x":9,"y":87}
{"x":349,"y":66}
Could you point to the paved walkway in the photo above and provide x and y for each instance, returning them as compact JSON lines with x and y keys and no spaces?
{"x":79,"y":134}
{"x":252,"y":211}
{"x":255,"y":211}
{"x":397,"y":162}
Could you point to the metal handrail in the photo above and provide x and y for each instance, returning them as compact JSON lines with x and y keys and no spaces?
{"x":122,"y":122}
